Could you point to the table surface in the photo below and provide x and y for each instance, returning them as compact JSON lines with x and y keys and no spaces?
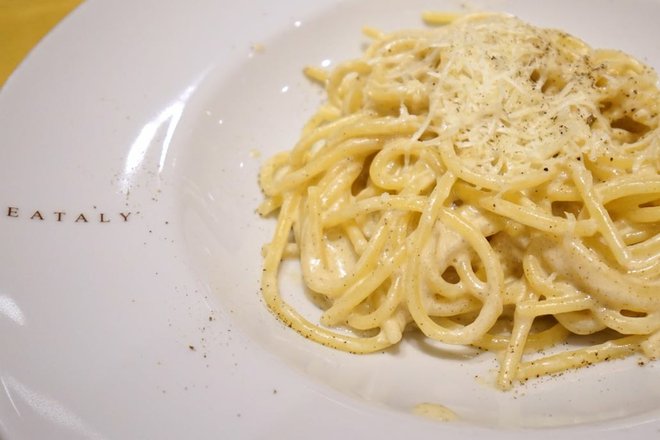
{"x":22,"y":24}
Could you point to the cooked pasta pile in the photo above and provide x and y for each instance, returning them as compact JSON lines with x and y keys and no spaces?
{"x":487,"y":182}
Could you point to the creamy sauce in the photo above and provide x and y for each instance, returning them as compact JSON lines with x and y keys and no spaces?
{"x":435,"y":411}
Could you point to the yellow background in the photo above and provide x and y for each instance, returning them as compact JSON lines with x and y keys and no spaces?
{"x":22,"y":24}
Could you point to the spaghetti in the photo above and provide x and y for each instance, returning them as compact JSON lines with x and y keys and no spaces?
{"x":487,"y":182}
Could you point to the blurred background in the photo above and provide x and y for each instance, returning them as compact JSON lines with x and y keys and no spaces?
{"x":22,"y":24}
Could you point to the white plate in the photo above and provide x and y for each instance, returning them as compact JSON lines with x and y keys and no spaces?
{"x":152,"y":327}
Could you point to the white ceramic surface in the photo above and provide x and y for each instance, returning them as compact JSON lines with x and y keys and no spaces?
{"x":130,"y":140}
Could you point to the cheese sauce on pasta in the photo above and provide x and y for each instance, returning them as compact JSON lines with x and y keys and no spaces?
{"x":486,"y":182}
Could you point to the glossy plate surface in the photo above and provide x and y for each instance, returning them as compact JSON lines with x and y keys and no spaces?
{"x":130,"y":140}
